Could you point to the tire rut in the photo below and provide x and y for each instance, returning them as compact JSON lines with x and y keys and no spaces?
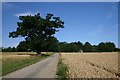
{"x":104,"y":68}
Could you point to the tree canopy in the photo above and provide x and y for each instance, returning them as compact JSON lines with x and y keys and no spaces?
{"x":37,"y":30}
{"x":23,"y":46}
{"x":106,"y":47}
{"x":87,"y":47}
{"x":53,"y":45}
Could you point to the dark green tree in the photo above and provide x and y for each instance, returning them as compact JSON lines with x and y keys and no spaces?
{"x":72,"y":47}
{"x":106,"y":47}
{"x":9,"y":49}
{"x":23,"y":46}
{"x":79,"y":45}
{"x":68,"y":47}
{"x":36,"y":29}
{"x":94,"y":48}
{"x":50,"y":44}
{"x":101,"y":47}
{"x":110,"y":46}
{"x":13,"y":49}
{"x":62,"y":47}
{"x":87,"y":47}
{"x":117,"y":49}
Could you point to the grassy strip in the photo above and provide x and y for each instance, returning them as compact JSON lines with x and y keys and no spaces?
{"x":62,"y":70}
{"x":11,"y":65}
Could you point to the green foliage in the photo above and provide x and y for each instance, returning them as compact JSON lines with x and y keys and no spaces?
{"x":36,"y":29}
{"x":9,"y":49}
{"x":87,"y":47}
{"x":62,"y":71}
{"x":51,"y":44}
{"x":117,"y":50}
{"x":106,"y":47}
{"x":79,"y":45}
{"x":69,"y":47}
{"x":23,"y":46}
{"x":94,"y":48}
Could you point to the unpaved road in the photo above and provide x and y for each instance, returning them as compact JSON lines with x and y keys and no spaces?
{"x":43,"y":69}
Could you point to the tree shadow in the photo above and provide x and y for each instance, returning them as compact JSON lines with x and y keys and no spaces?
{"x":36,"y":54}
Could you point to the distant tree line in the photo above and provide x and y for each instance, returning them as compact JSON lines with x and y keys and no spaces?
{"x":38,"y":33}
{"x":53,"y":45}
{"x":9,"y":49}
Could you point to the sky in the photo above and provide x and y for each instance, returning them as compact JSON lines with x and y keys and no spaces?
{"x":92,"y":22}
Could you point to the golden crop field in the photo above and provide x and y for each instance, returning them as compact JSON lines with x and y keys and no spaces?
{"x":15,"y":54}
{"x":91,"y":65}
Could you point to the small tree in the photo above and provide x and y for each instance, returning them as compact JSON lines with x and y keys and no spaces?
{"x":36,"y":29}
{"x":87,"y":47}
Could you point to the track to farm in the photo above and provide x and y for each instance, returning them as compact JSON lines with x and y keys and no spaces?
{"x":92,"y":65}
{"x":42,"y":69}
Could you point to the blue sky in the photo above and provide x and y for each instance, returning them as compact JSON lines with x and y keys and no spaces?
{"x":94,"y":22}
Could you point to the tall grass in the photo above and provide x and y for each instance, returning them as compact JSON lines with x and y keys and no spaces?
{"x":62,"y":70}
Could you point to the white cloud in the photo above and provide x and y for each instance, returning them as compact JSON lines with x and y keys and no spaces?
{"x":25,"y":14}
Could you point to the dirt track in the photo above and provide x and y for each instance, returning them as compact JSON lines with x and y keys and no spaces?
{"x":43,"y":69}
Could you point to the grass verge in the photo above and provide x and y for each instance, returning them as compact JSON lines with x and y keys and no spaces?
{"x":62,"y":71}
{"x":13,"y":64}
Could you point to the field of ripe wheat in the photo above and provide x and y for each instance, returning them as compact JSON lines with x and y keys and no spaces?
{"x":91,"y":65}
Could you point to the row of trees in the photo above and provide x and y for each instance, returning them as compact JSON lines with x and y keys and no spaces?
{"x":87,"y":47}
{"x":52,"y":44}
{"x":38,"y":33}
{"x":9,"y":49}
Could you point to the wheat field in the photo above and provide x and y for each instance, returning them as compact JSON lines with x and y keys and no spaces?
{"x":91,"y":65}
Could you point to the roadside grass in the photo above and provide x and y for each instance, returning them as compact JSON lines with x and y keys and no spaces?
{"x":0,"y":67}
{"x":62,"y":70}
{"x":15,"y":63}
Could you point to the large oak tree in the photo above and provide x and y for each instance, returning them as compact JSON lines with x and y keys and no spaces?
{"x":37,"y":30}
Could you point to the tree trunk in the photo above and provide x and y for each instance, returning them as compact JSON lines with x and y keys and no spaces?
{"x":39,"y":53}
